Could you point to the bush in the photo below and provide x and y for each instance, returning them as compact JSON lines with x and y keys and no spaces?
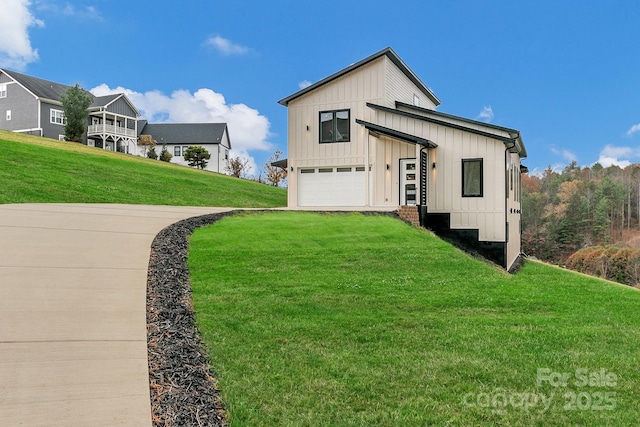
{"x":165,"y":156}
{"x":152,"y":153}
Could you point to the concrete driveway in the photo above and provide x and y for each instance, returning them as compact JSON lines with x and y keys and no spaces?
{"x":73,"y":349}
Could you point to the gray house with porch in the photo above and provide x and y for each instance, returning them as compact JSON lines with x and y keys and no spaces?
{"x":33,"y":105}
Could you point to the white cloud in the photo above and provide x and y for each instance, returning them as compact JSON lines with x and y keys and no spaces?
{"x":304,"y":84}
{"x":634,"y":129}
{"x":486,"y":114}
{"x":15,"y":45}
{"x":226,"y":46}
{"x":248,"y":129}
{"x":620,"y":156}
{"x":566,"y":154}
{"x":87,"y":12}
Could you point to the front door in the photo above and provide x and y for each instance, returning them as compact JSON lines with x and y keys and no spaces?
{"x":408,"y":181}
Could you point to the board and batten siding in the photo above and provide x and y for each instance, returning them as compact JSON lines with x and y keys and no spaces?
{"x":351,"y":91}
{"x":122,"y":108}
{"x":513,"y":214}
{"x":444,"y":182}
{"x":23,"y":106}
{"x":400,"y":88}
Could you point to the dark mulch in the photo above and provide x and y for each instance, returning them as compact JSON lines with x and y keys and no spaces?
{"x":183,"y":390}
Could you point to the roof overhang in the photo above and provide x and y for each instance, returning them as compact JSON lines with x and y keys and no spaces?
{"x":510,"y":137}
{"x":389,"y":53}
{"x":392,"y":133}
{"x":283,"y":164}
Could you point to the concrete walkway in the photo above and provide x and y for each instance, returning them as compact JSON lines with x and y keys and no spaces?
{"x":73,"y":349}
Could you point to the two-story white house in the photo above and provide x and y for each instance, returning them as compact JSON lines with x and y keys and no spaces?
{"x":369,"y":136}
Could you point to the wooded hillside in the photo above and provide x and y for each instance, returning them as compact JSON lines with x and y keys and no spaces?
{"x":579,"y":208}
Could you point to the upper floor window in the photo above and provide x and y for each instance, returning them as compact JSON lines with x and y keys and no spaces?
{"x":472,"y":178}
{"x":335,"y":126}
{"x":3,"y":90}
{"x":57,"y":117}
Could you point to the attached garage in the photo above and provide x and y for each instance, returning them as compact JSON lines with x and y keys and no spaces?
{"x":332,"y":186}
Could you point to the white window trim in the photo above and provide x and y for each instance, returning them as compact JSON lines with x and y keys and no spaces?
{"x":52,"y":117}
{"x":8,"y":115}
{"x":3,"y":90}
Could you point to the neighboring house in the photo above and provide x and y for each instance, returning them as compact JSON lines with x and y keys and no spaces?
{"x":113,"y":122}
{"x":33,"y":105}
{"x":369,"y":136}
{"x":214,"y":137}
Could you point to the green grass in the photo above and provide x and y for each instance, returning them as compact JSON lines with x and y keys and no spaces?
{"x":41,"y":170}
{"x":354,"y":320}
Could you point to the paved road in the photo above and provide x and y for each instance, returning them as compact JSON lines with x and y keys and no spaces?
{"x":73,"y":348}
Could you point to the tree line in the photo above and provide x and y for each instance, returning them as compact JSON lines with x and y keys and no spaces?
{"x":578,"y":208}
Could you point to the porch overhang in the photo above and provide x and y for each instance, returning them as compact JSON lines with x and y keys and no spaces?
{"x":282,"y":164}
{"x":396,"y":134}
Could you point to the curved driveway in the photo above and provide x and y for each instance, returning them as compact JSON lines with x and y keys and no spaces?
{"x":73,"y":344}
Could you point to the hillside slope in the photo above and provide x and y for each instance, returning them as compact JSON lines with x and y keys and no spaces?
{"x":41,"y":170}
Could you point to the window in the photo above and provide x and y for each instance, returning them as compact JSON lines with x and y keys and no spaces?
{"x":176,"y":151}
{"x":8,"y":115}
{"x":57,"y":117}
{"x":335,"y":126}
{"x":3,"y":90}
{"x":471,"y":177}
{"x":416,"y":100}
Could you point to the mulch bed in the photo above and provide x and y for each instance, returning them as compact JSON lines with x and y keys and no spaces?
{"x":182,"y":388}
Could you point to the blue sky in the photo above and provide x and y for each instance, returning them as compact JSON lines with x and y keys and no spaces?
{"x":564,"y":73}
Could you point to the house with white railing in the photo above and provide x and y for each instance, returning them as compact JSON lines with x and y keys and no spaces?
{"x":32,"y":105}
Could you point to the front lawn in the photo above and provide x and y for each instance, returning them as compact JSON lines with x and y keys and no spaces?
{"x":355,"y":320}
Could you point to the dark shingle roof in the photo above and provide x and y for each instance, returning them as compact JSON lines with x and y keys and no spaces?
{"x":183,"y":133}
{"x":101,"y":101}
{"x":39,"y":87}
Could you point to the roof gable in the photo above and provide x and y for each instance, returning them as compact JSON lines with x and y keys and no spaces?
{"x":40,"y":88}
{"x":389,"y":53}
{"x":108,"y":100}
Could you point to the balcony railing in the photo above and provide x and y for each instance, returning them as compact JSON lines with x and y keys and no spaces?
{"x":110,"y":130}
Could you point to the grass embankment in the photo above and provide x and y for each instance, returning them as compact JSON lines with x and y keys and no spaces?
{"x":41,"y":170}
{"x":356,"y":320}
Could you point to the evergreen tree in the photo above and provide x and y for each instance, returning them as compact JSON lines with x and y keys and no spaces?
{"x":75,"y":102}
{"x":197,"y":155}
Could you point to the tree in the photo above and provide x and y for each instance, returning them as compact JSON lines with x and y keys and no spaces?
{"x":147,"y":142}
{"x":165,"y":156}
{"x":237,"y":166}
{"x":75,"y":102}
{"x":152,"y":153}
{"x":197,"y":155}
{"x":275,"y":174}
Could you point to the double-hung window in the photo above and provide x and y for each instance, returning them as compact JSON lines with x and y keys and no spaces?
{"x":57,"y":117}
{"x":472,"y":178}
{"x":3,"y":90}
{"x":335,"y":126}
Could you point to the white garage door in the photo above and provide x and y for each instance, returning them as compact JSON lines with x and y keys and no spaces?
{"x":337,"y":186}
